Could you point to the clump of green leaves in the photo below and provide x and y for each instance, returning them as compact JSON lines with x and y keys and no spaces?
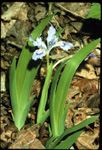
{"x":21,"y":78}
{"x":58,"y":96}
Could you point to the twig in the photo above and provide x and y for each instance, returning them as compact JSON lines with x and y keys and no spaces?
{"x":72,"y":13}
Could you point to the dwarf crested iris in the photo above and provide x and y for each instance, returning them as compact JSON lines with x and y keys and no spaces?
{"x":90,"y":55}
{"x":52,"y":41}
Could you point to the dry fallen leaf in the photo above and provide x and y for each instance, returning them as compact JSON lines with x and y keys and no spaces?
{"x":26,"y":139}
{"x":14,"y":12}
{"x":86,"y":86}
{"x":87,"y":140}
{"x":18,"y":11}
{"x":87,"y":72}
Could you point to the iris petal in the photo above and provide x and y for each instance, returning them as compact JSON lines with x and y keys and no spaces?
{"x":51,"y":31}
{"x":51,"y":35}
{"x":63,"y":45}
{"x":38,"y":54}
{"x":90,"y":55}
{"x":39,"y":43}
{"x":66,"y":46}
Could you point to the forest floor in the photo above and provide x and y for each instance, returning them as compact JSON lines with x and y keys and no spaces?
{"x":18,"y":19}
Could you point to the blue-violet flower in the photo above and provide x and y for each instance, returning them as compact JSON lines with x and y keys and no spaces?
{"x":90,"y":55}
{"x":52,"y":41}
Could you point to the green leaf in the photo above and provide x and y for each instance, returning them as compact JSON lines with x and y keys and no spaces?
{"x":62,"y":123}
{"x":63,"y":119}
{"x":25,"y":108}
{"x":50,"y":141}
{"x":44,"y":94}
{"x":44,"y":117}
{"x":65,"y":80}
{"x":66,"y":144}
{"x":27,"y":85}
{"x":60,"y":31}
{"x":25,"y":65}
{"x":95,"y":12}
{"x":13,"y":89}
{"x":52,"y":97}
{"x":74,"y":129}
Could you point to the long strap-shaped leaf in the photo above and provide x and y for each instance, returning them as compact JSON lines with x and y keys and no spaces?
{"x":65,"y":81}
{"x":44,"y":94}
{"x":13,"y":89}
{"x":24,"y":113}
{"x":23,"y":68}
{"x":52,"y":97}
{"x":73,"y":129}
{"x":21,"y":79}
{"x":66,"y":144}
{"x":56,"y":137}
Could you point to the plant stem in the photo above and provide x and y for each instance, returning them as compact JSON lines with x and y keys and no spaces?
{"x":47,"y":58}
{"x":68,"y":57}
